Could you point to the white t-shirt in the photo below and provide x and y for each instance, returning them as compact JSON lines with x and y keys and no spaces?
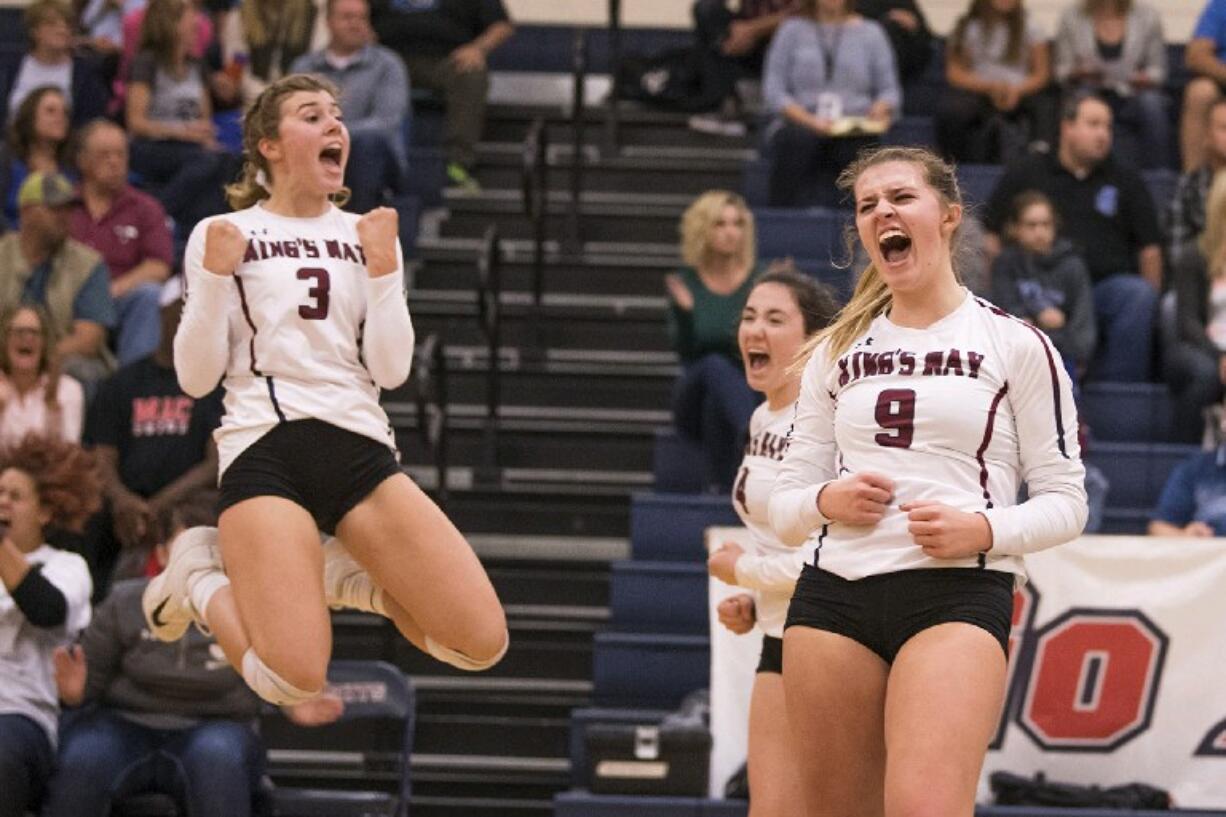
{"x":27,"y":676}
{"x":27,"y":413}
{"x":34,"y":74}
{"x":299,"y":331}
{"x":771,"y":568}
{"x":961,"y":412}
{"x":987,"y":50}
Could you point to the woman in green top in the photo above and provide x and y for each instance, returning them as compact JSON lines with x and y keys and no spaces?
{"x":711,"y":401}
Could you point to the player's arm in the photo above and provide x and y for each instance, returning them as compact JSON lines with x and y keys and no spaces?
{"x":388,"y":338}
{"x":1041,"y":397}
{"x":809,"y":463}
{"x":202,"y":346}
{"x":771,"y":573}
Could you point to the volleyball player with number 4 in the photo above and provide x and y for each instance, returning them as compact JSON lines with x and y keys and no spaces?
{"x":922,"y":411}
{"x":299,"y":309}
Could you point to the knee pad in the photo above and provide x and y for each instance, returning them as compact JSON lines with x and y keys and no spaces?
{"x":269,"y":685}
{"x":459,"y":660}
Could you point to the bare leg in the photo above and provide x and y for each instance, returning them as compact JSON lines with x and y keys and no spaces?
{"x":775,"y":788}
{"x":946,"y":690}
{"x":835,"y":692}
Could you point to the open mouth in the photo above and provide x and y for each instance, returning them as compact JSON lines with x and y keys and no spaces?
{"x":331,"y":156}
{"x":757,"y":361}
{"x":894,"y":245}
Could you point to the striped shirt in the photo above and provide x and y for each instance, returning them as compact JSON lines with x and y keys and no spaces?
{"x":962,"y":412}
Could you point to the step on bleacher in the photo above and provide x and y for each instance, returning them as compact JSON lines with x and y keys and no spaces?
{"x":670,"y":527}
{"x":648,"y":670}
{"x":658,"y":597}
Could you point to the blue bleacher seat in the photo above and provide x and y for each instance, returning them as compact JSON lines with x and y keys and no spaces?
{"x":1161,"y":184}
{"x":1127,"y":412}
{"x":1137,"y":471}
{"x":427,"y":175}
{"x":676,"y":463}
{"x":1126,"y":521}
{"x":669,"y":527}
{"x":814,"y":233}
{"x":978,"y":182}
{"x":585,"y":804}
{"x":841,"y":279}
{"x":912,"y":131}
{"x":633,"y":669}
{"x":581,"y":718}
{"x":658,"y":597}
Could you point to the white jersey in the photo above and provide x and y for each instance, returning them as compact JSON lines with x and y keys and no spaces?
{"x":299,"y":331}
{"x":962,"y":413}
{"x":770,"y":568}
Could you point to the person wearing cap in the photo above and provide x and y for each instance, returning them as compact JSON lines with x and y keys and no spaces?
{"x":41,"y":264}
{"x":154,"y":447}
{"x":128,"y":228}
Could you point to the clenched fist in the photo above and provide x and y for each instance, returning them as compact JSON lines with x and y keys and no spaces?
{"x":377,"y":232}
{"x":224,"y":247}
{"x":860,"y":499}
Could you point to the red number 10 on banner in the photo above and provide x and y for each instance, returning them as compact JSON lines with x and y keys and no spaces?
{"x":1087,"y":681}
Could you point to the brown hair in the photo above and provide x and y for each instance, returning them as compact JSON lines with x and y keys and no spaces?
{"x":262,"y":121}
{"x":286,"y":23}
{"x":982,"y":10}
{"x":64,"y":475}
{"x":816,"y":304}
{"x":21,"y":136}
{"x":47,"y":364}
{"x":1025,"y":200}
{"x":808,"y":8}
{"x":701,"y":217}
{"x":159,"y":31}
{"x":192,"y":511}
{"x":871,"y":296}
{"x":40,"y":11}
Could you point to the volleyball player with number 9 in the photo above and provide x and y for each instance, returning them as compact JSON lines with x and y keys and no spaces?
{"x":299,"y":308}
{"x":922,"y":411}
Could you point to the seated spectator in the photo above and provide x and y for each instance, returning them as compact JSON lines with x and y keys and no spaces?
{"x":904,"y":24}
{"x":40,"y":264}
{"x":37,"y":141}
{"x":101,"y":23}
{"x":825,"y":66}
{"x":1107,"y":212}
{"x":154,"y":446}
{"x":1205,"y":58}
{"x":998,"y":67}
{"x":169,"y":112}
{"x":260,"y":39}
{"x":50,"y":61}
{"x":445,"y":45}
{"x":1185,"y":218}
{"x":1194,"y":364}
{"x":1115,"y":48}
{"x":1193,"y":501}
{"x":375,"y":90}
{"x":203,"y":47}
{"x":35,"y":398}
{"x":44,"y":602}
{"x":712,"y":403}
{"x":733,"y":45}
{"x":151,"y":701}
{"x":1040,"y":277}
{"x":129,"y":229}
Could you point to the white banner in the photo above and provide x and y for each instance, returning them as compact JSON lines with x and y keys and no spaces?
{"x":1115,"y":674}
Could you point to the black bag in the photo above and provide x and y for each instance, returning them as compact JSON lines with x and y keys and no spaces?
{"x":652,"y":760}
{"x":1015,"y":790}
{"x":673,"y":80}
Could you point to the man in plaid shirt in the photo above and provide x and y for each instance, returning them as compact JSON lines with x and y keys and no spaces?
{"x":1185,"y":218}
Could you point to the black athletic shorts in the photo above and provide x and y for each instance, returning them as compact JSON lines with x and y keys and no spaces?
{"x":883,"y":612}
{"x":772,"y":655}
{"x":325,"y":469}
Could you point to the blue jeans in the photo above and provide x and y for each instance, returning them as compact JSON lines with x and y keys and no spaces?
{"x":1143,"y":129}
{"x":712,"y":405}
{"x":26,"y":757}
{"x":212,"y":769}
{"x":375,"y":164}
{"x":140,"y":323}
{"x":805,"y":166}
{"x":1126,"y":306}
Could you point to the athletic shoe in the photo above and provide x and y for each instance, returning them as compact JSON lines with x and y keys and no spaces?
{"x":347,"y":585}
{"x":460,"y":178}
{"x":167,"y":598}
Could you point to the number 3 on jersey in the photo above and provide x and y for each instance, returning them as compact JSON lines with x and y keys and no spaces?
{"x":317,"y":311}
{"x":895,"y":412}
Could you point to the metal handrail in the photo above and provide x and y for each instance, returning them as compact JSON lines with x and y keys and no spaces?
{"x":430,"y":381}
{"x":613,"y":116}
{"x":489,"y":317}
{"x":536,"y":199}
{"x":577,"y":115}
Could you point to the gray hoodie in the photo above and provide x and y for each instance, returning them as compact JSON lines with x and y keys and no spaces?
{"x":162,"y":686}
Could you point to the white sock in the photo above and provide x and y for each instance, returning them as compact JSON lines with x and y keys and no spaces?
{"x":202,"y":590}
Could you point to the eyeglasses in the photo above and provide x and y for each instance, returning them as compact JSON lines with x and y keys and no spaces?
{"x":25,"y":332}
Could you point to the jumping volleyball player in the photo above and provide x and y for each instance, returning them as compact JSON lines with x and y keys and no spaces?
{"x":301,"y":308}
{"x":922,"y":409}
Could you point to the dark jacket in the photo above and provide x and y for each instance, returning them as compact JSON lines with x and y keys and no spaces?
{"x":1191,"y":286}
{"x":164,"y":686}
{"x":912,"y":49}
{"x":1025,"y":284}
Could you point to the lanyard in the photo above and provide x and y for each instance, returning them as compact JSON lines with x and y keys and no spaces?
{"x":831,"y":38}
